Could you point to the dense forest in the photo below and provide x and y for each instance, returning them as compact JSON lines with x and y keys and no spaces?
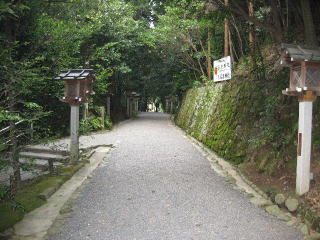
{"x":154,"y":47}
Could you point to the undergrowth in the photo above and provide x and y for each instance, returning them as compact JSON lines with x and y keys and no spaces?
{"x":14,"y":206}
{"x":247,"y":119}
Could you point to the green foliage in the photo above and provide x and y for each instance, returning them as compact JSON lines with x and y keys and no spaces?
{"x":107,"y":123}
{"x":12,"y":9}
{"x":94,"y":123}
{"x":26,"y":198}
{"x":245,"y":117}
{"x":91,"y":124}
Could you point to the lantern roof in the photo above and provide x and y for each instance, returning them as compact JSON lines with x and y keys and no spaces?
{"x":300,"y":53}
{"x":132,"y":94}
{"x":74,"y":74}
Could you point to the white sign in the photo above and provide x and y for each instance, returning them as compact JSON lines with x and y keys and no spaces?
{"x":222,"y":69}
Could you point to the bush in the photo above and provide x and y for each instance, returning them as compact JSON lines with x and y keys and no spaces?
{"x":91,"y":124}
{"x":94,"y":123}
{"x":107,"y":123}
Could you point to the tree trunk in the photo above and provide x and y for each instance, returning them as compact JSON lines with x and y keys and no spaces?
{"x":309,"y":29}
{"x":278,"y":33}
{"x":226,"y":33}
{"x":209,"y":59}
{"x":231,"y":47}
{"x":14,"y":154}
{"x":251,"y":27}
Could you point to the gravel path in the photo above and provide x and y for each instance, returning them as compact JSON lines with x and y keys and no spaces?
{"x":157,"y":186}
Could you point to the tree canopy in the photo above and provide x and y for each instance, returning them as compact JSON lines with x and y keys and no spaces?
{"x":153,"y":47}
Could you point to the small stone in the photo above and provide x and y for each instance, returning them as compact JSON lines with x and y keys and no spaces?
{"x":292,"y":204}
{"x":7,"y":233}
{"x":260,"y":202}
{"x":304,"y":229}
{"x":47,"y":193}
{"x":280,"y":199}
{"x":293,"y":222}
{"x":313,"y":236}
{"x":274,"y":210}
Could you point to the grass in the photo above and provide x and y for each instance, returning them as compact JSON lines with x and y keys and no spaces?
{"x":27,"y":198}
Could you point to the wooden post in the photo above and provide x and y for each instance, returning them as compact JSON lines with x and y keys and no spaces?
{"x":128,"y":107}
{"x":103,"y":115}
{"x":132,"y":107}
{"x":251,"y":26}
{"x":15,"y":180}
{"x":108,"y":106}
{"x":74,"y":133}
{"x":304,"y":142}
{"x":226,"y":32}
{"x":31,"y":130}
{"x":85,"y":111}
{"x":167,"y":106}
{"x":209,"y":59}
{"x":137,"y":105}
{"x":51,"y":167}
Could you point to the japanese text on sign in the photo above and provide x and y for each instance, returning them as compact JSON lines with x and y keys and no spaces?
{"x":222,"y":69}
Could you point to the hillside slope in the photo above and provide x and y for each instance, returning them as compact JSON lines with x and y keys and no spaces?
{"x":248,"y":121}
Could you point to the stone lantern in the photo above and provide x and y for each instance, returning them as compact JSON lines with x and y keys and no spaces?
{"x":78,"y":88}
{"x":304,"y":63}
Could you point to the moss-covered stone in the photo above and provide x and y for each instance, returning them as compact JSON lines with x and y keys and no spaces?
{"x":27,"y":198}
{"x":242,"y":118}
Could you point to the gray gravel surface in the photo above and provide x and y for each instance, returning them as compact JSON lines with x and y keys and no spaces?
{"x":157,"y":185}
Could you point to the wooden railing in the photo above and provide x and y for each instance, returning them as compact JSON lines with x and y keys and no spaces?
{"x":7,"y":140}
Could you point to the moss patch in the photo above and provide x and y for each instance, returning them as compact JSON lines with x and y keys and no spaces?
{"x":27,"y":198}
{"x":247,"y":116}
{"x":249,"y":122}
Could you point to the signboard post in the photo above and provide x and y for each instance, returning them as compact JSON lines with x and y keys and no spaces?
{"x":222,"y":69}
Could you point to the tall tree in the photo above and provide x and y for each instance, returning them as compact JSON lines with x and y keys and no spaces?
{"x":309,"y":29}
{"x":251,"y":26}
{"x":226,"y":32}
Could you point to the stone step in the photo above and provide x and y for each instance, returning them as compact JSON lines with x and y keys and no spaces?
{"x":39,"y":163}
{"x":45,"y":149}
{"x":45,"y":156}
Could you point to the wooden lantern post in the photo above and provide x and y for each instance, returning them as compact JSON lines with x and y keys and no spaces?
{"x":78,"y":87}
{"x":137,"y":97}
{"x":131,"y":103}
{"x":304,"y":63}
{"x":128,"y":104}
{"x":304,"y":142}
{"x":109,"y":95}
{"x":167,"y":108}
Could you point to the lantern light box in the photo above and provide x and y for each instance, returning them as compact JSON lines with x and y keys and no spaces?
{"x":78,"y":85}
{"x":304,"y":63}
